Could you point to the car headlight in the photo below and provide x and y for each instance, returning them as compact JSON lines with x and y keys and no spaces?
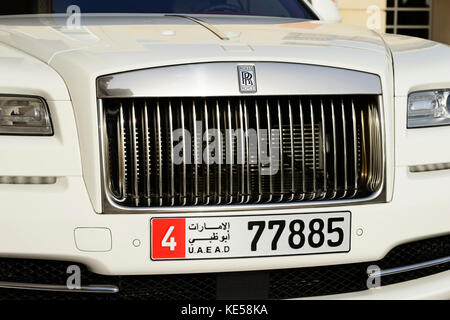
{"x":429,"y":108}
{"x":24,"y":116}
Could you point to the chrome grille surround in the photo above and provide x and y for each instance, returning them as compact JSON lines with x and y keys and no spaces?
{"x":142,"y":124}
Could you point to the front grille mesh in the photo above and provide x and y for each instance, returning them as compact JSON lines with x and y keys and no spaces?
{"x":241,"y":150}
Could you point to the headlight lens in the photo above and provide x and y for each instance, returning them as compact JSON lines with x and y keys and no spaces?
{"x":429,"y":108}
{"x":24,"y":116}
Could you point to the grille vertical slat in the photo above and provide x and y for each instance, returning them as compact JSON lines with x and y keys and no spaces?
{"x":281,"y":164}
{"x":302,"y":132}
{"x":375,"y":142}
{"x":247,"y":139}
{"x":269,"y":130}
{"x":183,"y":199}
{"x":313,"y":141}
{"x":208,"y":160}
{"x":196,"y":154}
{"x":335,"y":175}
{"x":219,"y":155}
{"x":344,"y":139}
{"x":147,"y":154}
{"x":355,"y":149}
{"x":372,"y":141}
{"x":259,"y":173}
{"x":324,"y":152}
{"x":243,"y":154}
{"x":366,"y":159}
{"x":259,"y":150}
{"x":122,"y":150}
{"x":158,"y":144}
{"x":291,"y":137}
{"x":171,"y":173}
{"x":379,"y":145}
{"x":229,"y":154}
{"x":134,"y":152}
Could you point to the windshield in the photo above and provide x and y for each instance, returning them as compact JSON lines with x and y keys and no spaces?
{"x":272,"y":8}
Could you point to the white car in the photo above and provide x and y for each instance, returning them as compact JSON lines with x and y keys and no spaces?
{"x":220,"y":149}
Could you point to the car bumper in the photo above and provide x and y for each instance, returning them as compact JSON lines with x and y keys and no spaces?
{"x":41,"y":221}
{"x":435,"y":287}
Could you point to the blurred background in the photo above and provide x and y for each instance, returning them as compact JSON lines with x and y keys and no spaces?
{"x":427,"y":19}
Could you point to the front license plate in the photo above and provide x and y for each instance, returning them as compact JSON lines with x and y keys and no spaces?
{"x":249,"y":236}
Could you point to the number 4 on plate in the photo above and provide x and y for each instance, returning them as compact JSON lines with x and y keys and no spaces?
{"x":168,"y":239}
{"x":169,"y":244}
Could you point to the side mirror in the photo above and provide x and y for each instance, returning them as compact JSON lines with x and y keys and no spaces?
{"x":327,"y":10}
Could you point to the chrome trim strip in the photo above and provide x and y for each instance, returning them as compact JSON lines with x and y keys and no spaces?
{"x":122,"y":197}
{"x":59,"y":288}
{"x":28,"y":180}
{"x":302,"y":128}
{"x":365,"y":163}
{"x":147,"y":144}
{"x":243,"y":147}
{"x":135,"y":148}
{"x":382,"y":137}
{"x":258,"y":133}
{"x":208,"y":161}
{"x":379,"y":145}
{"x":197,"y":155}
{"x":159,"y":146}
{"x":184,"y":186}
{"x":370,"y":147}
{"x":220,"y":153}
{"x":333,"y":117}
{"x":281,"y":165}
{"x":413,"y":267}
{"x":172,"y":167}
{"x":313,"y":139}
{"x":344,"y":137}
{"x":269,"y":136}
{"x":274,"y":78}
{"x":230,"y":151}
{"x":429,"y":167}
{"x":247,"y":143}
{"x":355,"y":149}
{"x":123,"y":157}
{"x":291,"y":135}
{"x":324,"y":152}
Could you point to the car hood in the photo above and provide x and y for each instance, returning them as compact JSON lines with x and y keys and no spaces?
{"x":106,"y":44}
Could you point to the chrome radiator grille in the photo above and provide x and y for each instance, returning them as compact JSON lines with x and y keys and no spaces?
{"x":316,"y":148}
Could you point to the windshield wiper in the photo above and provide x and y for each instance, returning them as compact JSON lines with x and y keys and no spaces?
{"x":204,"y":24}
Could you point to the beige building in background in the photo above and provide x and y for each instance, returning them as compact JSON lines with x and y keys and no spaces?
{"x":423,"y":18}
{"x":440,"y":30}
{"x":361,"y":12}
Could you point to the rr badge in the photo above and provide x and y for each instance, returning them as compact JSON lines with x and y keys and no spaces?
{"x":247,"y":78}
